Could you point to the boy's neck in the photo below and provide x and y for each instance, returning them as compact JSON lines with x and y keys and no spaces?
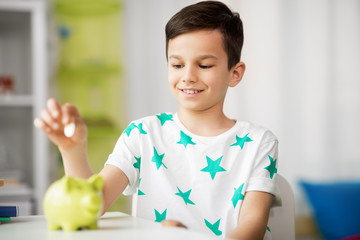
{"x":208,"y":123}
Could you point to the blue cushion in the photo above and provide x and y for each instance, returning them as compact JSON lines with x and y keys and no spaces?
{"x":336,"y":207}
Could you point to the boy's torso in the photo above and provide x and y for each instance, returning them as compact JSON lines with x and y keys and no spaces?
{"x":199,"y":181}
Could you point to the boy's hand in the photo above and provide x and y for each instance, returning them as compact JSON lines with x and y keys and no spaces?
{"x":53,"y":120}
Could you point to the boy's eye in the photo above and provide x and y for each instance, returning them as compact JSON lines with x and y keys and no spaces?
{"x":177,"y":66}
{"x":205,"y":66}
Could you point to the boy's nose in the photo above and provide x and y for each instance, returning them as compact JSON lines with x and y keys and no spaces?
{"x":189,"y":75}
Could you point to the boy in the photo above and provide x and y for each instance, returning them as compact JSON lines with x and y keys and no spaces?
{"x":196,"y":168}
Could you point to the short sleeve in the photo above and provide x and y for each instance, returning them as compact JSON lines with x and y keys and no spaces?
{"x":265,"y":166}
{"x":124,"y":157}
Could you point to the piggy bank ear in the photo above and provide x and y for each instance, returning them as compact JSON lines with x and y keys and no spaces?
{"x":97,"y":182}
{"x":68,"y":183}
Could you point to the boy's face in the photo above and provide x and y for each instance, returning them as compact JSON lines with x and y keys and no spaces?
{"x":198,"y":71}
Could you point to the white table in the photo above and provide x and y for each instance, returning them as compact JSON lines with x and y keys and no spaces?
{"x":113,"y":225}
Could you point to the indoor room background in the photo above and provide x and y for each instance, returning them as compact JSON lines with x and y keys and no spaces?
{"x":302,"y":81}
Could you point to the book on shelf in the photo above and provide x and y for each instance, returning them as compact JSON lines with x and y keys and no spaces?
{"x":9,"y":211}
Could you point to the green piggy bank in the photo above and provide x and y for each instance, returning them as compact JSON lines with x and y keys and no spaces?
{"x":73,"y":203}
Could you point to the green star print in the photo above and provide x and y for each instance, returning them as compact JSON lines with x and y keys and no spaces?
{"x":160,"y":217}
{"x":185,"y":139}
{"x":213,"y":167}
{"x":237,"y":195}
{"x":214,"y":227}
{"x":132,"y":126}
{"x":138,"y":162}
{"x":157,"y":159}
{"x":272,"y":167}
{"x":241,"y":141}
{"x":164,"y":117}
{"x":140,"y":193}
{"x":140,"y":127}
{"x":185,"y":196}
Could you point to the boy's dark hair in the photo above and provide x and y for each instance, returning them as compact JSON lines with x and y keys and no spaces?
{"x":209,"y":15}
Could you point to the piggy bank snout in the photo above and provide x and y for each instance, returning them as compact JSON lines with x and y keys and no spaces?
{"x":92,"y":202}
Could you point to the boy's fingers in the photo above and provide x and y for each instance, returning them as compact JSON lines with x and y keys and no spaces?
{"x":48,"y":120}
{"x":38,"y":123}
{"x":41,"y":124}
{"x":53,"y":107}
{"x":69,"y":113}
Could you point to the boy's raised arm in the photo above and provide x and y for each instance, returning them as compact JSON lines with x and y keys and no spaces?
{"x":73,"y":149}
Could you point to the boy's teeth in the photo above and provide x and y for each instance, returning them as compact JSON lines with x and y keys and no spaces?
{"x":190,"y":91}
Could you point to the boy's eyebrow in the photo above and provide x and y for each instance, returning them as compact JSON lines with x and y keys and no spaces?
{"x":175,"y":56}
{"x":202,"y":57}
{"x":207,"y":56}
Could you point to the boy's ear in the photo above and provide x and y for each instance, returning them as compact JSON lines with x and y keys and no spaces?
{"x":237,"y":72}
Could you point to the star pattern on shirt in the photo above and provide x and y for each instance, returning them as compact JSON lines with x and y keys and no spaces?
{"x":140,"y":127}
{"x":185,"y":196}
{"x":129,"y":128}
{"x":185,"y":139}
{"x":213,"y":167}
{"x":158,"y":159}
{"x":237,"y":195}
{"x":140,"y":193}
{"x":164,"y":117}
{"x":214,"y":227}
{"x":272,"y":167}
{"x":241,"y":141}
{"x":137,"y":163}
{"x":160,"y":217}
{"x":133,"y":126}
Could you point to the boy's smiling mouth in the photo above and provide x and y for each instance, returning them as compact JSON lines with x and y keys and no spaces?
{"x":191,"y":91}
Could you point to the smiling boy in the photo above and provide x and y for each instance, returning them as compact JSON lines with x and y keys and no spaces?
{"x":196,"y":168}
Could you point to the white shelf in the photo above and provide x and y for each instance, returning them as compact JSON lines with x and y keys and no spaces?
{"x":16,"y":101}
{"x":23,"y":55}
{"x":19,"y":193}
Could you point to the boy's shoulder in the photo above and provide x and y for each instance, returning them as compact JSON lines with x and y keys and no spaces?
{"x":255,"y":130}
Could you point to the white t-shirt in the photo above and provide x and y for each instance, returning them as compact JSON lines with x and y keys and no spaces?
{"x":199,"y":181}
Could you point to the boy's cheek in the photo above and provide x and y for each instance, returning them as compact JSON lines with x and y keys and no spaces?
{"x":172,"y":78}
